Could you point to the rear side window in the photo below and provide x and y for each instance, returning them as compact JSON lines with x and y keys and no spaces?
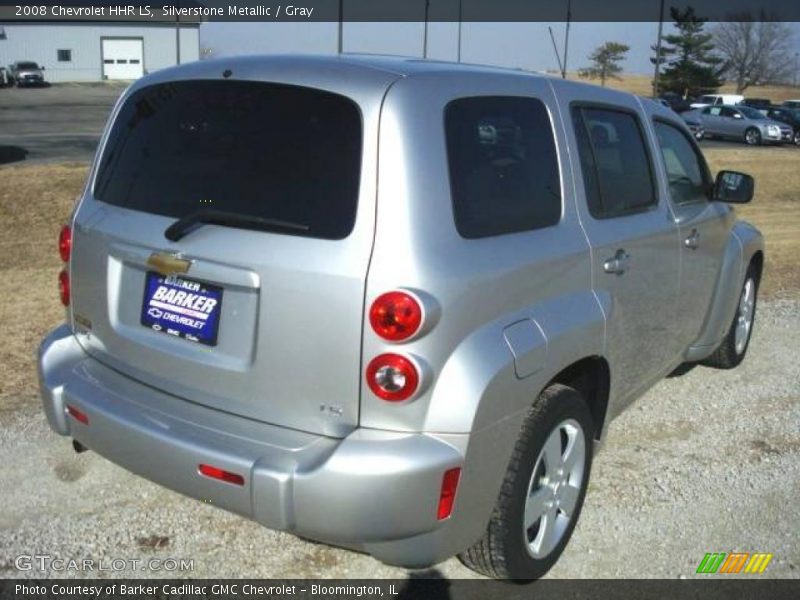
{"x":615,"y":163}
{"x":503,"y":166}
{"x":257,"y":149}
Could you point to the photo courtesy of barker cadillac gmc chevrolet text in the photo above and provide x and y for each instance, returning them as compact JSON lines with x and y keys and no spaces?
{"x":389,"y":304}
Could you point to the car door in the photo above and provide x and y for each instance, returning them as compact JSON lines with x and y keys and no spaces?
{"x":731,"y":122}
{"x":711,"y":120}
{"x":634,"y":241}
{"x":703,"y":225}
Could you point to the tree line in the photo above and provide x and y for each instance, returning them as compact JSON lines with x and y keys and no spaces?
{"x":692,"y":61}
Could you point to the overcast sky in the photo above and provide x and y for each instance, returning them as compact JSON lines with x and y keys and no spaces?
{"x":525,"y":45}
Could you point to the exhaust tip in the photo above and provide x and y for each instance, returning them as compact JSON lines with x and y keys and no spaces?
{"x":78,"y":447}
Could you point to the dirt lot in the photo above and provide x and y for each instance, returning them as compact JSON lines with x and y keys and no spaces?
{"x":709,"y":461}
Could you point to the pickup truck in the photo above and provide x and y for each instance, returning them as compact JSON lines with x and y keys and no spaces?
{"x":385,"y":303}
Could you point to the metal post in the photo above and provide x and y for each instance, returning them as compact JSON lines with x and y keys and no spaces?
{"x":341,"y":26}
{"x":425,"y":32}
{"x":566,"y":38}
{"x":178,"y":34}
{"x":460,"y":2}
{"x":657,"y":73}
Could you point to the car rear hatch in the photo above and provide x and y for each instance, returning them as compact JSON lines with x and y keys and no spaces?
{"x":254,"y":305}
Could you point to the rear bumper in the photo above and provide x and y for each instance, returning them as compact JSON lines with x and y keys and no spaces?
{"x":375,"y":491}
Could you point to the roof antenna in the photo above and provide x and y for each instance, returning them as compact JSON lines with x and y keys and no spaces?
{"x":555,"y":49}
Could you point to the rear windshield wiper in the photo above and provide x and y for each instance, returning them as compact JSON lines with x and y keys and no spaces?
{"x":192,"y":221}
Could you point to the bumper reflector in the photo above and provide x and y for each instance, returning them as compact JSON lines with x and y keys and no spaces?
{"x":217,"y":473}
{"x":447,"y":497}
{"x":77,"y":414}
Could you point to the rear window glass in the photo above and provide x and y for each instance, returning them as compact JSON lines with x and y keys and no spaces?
{"x":265,"y":150}
{"x":503,"y":166}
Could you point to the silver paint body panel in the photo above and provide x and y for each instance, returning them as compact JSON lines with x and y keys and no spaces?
{"x":506,"y":315}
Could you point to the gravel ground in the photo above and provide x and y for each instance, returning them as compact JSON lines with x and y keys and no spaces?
{"x":705,"y":462}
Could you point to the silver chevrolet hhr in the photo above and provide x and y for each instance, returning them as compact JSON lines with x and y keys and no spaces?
{"x":386,"y":303}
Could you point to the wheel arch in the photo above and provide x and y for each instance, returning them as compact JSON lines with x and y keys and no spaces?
{"x":591,"y":377}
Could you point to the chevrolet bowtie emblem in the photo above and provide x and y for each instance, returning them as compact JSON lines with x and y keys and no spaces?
{"x":167,"y":264}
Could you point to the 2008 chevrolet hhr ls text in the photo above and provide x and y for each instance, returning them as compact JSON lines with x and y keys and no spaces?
{"x":386,"y":303}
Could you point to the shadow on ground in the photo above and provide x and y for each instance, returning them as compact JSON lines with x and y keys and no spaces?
{"x":9,"y":154}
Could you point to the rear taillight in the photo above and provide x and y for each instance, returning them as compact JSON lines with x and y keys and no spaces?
{"x":65,"y":243}
{"x":78,"y":415}
{"x":447,"y":496}
{"x":392,"y":377}
{"x":396,"y":316}
{"x":220,"y":474}
{"x":63,"y":287}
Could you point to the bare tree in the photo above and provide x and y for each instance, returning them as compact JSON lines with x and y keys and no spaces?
{"x":754,"y":51}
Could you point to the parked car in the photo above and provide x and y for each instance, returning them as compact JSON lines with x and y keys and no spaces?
{"x":25,"y":73}
{"x":389,"y":324}
{"x":791,"y":103}
{"x":743,"y":123}
{"x":717,"y":100}
{"x":696,"y":127}
{"x":757,"y":102}
{"x":676,"y":102}
{"x":788,"y":116}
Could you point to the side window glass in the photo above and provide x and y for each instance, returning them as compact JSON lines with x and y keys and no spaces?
{"x":715,"y":111}
{"x":615,"y":162}
{"x":504,"y":173}
{"x":687,"y":173}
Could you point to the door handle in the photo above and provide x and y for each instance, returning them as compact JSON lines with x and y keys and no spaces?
{"x":617,"y":263}
{"x":693,"y":241}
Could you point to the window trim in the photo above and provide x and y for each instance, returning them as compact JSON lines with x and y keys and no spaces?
{"x":707,"y":179}
{"x":559,"y":168}
{"x":579,"y":105}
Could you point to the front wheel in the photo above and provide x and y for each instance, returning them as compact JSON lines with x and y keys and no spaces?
{"x":796,"y":138}
{"x":543,"y":491}
{"x":752,"y":137}
{"x":734,"y":345}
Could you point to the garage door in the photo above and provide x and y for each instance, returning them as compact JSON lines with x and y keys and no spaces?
{"x":123,"y":59}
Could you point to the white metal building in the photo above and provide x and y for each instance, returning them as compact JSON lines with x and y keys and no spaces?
{"x":97,"y":51}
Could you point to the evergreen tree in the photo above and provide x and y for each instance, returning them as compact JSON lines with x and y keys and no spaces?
{"x":691,"y":67}
{"x":605,"y":62}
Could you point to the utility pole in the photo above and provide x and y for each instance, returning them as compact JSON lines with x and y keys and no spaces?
{"x":178,"y":34}
{"x":425,"y":32}
{"x":566,"y":39}
{"x":460,"y":2}
{"x":657,"y":73}
{"x":341,"y":26}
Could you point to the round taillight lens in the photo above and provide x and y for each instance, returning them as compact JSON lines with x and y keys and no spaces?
{"x":392,"y":377}
{"x":395,"y":316}
{"x":65,"y":243}
{"x":63,"y":287}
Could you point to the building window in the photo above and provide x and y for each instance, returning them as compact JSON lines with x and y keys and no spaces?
{"x":65,"y":56}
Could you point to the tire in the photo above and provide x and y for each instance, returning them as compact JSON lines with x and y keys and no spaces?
{"x":752,"y":137}
{"x":561,"y":422}
{"x":734,"y":345}
{"x":796,"y":138}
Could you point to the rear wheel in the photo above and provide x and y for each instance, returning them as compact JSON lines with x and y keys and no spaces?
{"x":752,"y":136}
{"x":543,"y":491}
{"x":734,"y":346}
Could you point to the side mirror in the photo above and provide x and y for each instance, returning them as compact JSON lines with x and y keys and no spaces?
{"x":733,"y":187}
{"x":42,"y":67}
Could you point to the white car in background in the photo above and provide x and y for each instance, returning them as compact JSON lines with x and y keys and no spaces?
{"x":717,"y":100}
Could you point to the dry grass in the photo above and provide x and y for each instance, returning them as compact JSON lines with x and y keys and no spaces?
{"x":775,"y":210}
{"x":34,"y":203}
{"x":36,"y":200}
{"x":642,"y":85}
